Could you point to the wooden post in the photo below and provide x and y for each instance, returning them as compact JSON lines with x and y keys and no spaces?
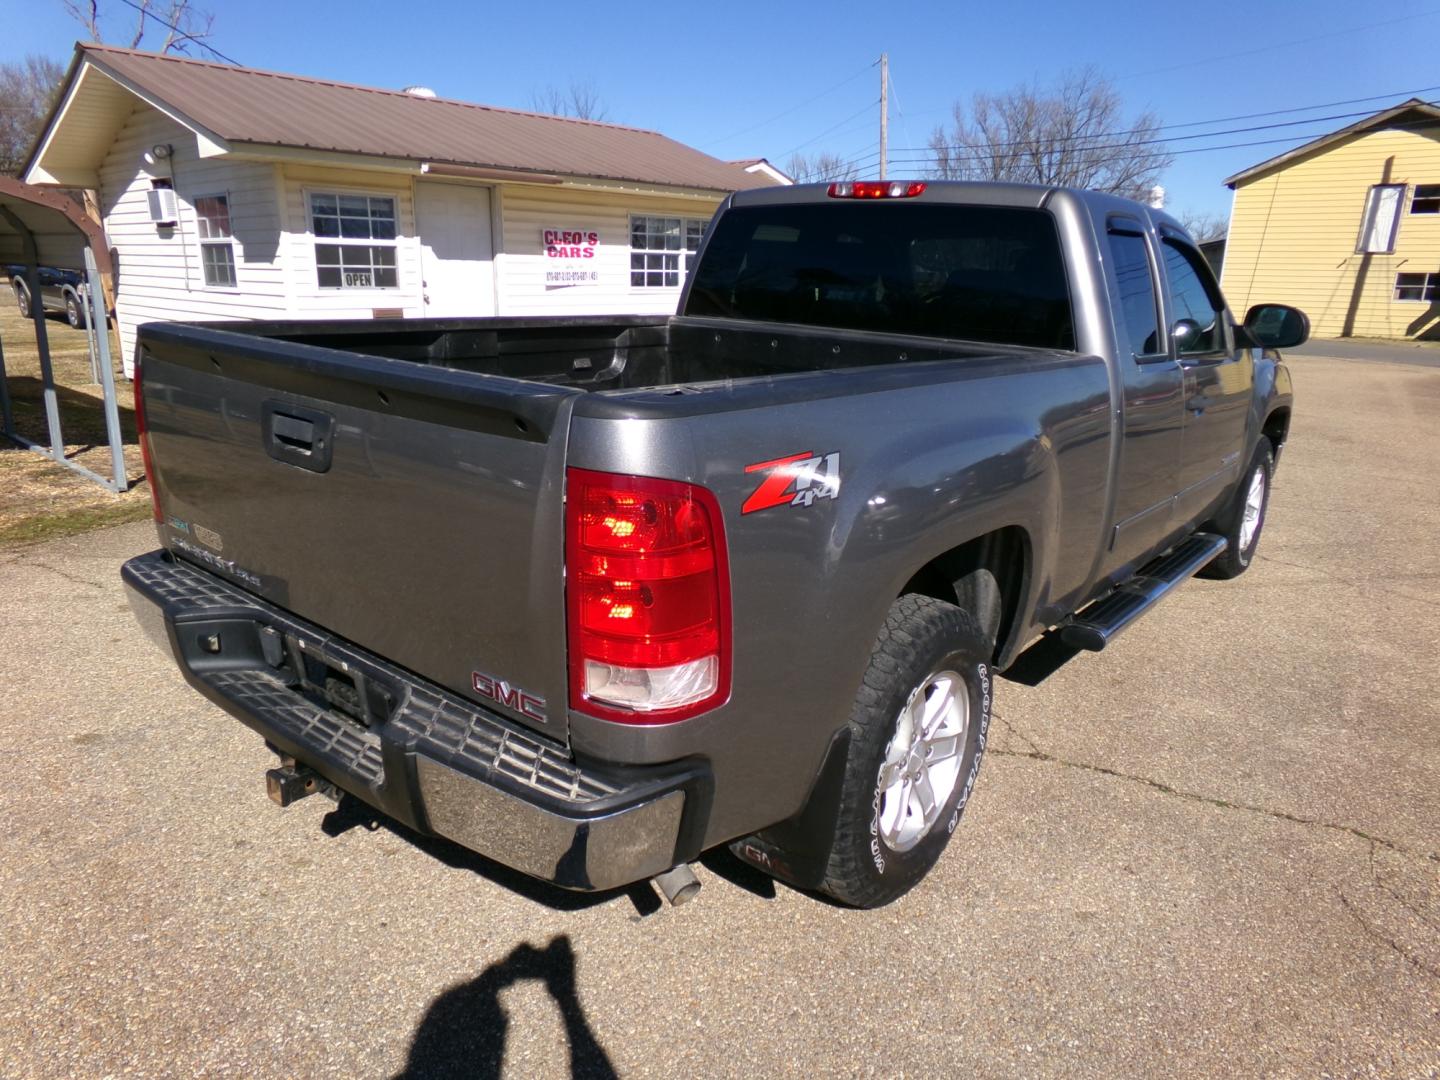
{"x":107,"y":379}
{"x":107,"y":273}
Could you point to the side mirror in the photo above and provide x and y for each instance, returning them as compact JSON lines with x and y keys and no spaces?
{"x":1277,"y":326}
{"x":1184,"y":332}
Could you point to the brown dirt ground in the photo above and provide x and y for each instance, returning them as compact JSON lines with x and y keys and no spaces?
{"x":39,"y":499}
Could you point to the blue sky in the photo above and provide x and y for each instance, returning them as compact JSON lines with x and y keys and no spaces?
{"x":746,"y":79}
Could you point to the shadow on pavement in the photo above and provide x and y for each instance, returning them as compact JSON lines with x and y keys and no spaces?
{"x":723,"y":864}
{"x":352,"y":813}
{"x":463,"y":1032}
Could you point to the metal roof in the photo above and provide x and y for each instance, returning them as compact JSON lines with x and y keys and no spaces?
{"x":244,"y":107}
{"x":60,"y":228}
{"x":1429,"y":114}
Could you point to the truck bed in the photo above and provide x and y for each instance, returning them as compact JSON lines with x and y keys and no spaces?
{"x":608,"y":353}
{"x":321,"y":466}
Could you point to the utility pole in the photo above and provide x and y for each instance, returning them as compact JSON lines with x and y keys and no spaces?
{"x":884,"y":110}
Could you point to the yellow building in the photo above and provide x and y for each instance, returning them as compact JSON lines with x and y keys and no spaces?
{"x":1346,"y":228}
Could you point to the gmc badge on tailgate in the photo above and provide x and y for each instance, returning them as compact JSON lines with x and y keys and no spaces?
{"x":502,"y":693}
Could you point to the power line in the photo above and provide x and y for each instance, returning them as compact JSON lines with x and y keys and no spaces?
{"x":1225,"y":146}
{"x":863,"y":109}
{"x":1170,"y":127}
{"x":808,"y":101}
{"x":1066,"y":139}
{"x":185,"y":35}
{"x":1270,"y":48}
{"x":896,"y":95}
{"x":1229,"y":119}
{"x":1301,"y":108}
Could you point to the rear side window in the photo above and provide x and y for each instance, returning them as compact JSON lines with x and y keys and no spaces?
{"x":976,"y":273}
{"x":1137,"y":292}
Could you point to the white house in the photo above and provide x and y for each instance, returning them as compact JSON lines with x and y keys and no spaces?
{"x":231,"y":193}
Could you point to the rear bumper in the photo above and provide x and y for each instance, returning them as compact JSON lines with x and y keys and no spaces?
{"x":435,"y":761}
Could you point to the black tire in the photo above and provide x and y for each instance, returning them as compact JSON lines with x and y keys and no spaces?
{"x":72,"y":312}
{"x":921,"y":638}
{"x":22,"y":299}
{"x":1231,"y":522}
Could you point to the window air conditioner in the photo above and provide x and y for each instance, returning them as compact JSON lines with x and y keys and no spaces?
{"x":163,"y":208}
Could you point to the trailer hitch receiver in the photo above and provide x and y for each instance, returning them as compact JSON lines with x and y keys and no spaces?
{"x":292,"y":782}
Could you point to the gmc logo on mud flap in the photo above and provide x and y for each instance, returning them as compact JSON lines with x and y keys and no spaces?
{"x":766,"y":861}
{"x":502,"y":693}
{"x":794,"y":480}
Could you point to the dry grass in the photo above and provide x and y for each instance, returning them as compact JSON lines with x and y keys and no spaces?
{"x":39,"y":499}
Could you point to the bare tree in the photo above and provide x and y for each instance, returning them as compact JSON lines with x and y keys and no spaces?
{"x":1073,"y":133}
{"x":166,"y":26}
{"x":822,"y":167}
{"x":580,"y":100}
{"x":1204,"y":227}
{"x":27,"y":90}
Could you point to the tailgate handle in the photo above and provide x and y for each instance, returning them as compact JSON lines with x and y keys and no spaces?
{"x":298,"y":436}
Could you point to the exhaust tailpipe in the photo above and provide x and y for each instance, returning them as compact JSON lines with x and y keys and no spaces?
{"x":679,"y":884}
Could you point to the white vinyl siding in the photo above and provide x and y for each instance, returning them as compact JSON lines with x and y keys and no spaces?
{"x":311,"y":300}
{"x":520,"y":263}
{"x":161,"y":270}
{"x":161,"y":274}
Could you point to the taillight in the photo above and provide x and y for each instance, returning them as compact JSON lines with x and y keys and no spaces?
{"x":877,"y":189}
{"x":647,"y":598}
{"x":143,"y":435}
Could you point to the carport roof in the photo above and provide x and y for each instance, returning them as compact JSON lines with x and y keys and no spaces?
{"x":61,"y":228}
{"x":236,"y":109}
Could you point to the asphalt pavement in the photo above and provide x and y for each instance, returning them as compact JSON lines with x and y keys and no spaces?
{"x":1213,"y":849}
{"x":1421,"y":354}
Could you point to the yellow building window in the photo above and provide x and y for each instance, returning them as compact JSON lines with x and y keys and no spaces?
{"x":1426,"y":200}
{"x":1416,"y":286}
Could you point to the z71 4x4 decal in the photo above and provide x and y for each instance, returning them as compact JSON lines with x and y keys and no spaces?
{"x":794,"y":480}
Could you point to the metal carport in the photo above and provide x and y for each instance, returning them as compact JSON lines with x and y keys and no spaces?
{"x":46,"y":228}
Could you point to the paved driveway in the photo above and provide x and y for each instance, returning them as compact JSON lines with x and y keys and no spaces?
{"x":1210,"y":850}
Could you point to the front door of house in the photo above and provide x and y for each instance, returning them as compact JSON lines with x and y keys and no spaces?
{"x":457,"y":256}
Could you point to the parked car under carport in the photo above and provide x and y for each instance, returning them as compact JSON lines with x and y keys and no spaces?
{"x":61,"y":291}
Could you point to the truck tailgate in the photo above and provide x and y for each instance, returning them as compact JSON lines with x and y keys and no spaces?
{"x":415,"y":511}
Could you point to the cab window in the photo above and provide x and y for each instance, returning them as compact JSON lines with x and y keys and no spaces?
{"x":1128,"y":252}
{"x":1195,"y":299}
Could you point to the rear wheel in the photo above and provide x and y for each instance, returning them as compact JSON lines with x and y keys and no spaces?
{"x":72,"y":311}
{"x":918,"y":729}
{"x":1243,"y":520}
{"x":22,"y":298}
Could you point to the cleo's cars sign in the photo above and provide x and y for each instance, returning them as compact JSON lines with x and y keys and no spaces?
{"x":570,"y":256}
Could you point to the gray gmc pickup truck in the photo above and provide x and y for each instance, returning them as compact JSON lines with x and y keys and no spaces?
{"x":591,"y":596}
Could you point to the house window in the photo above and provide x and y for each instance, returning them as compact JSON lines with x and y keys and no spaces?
{"x":1416,"y":286}
{"x":656,"y":245}
{"x":1426,"y":200}
{"x":354,"y":241}
{"x":217,"y":247}
{"x":1382,"y":218}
